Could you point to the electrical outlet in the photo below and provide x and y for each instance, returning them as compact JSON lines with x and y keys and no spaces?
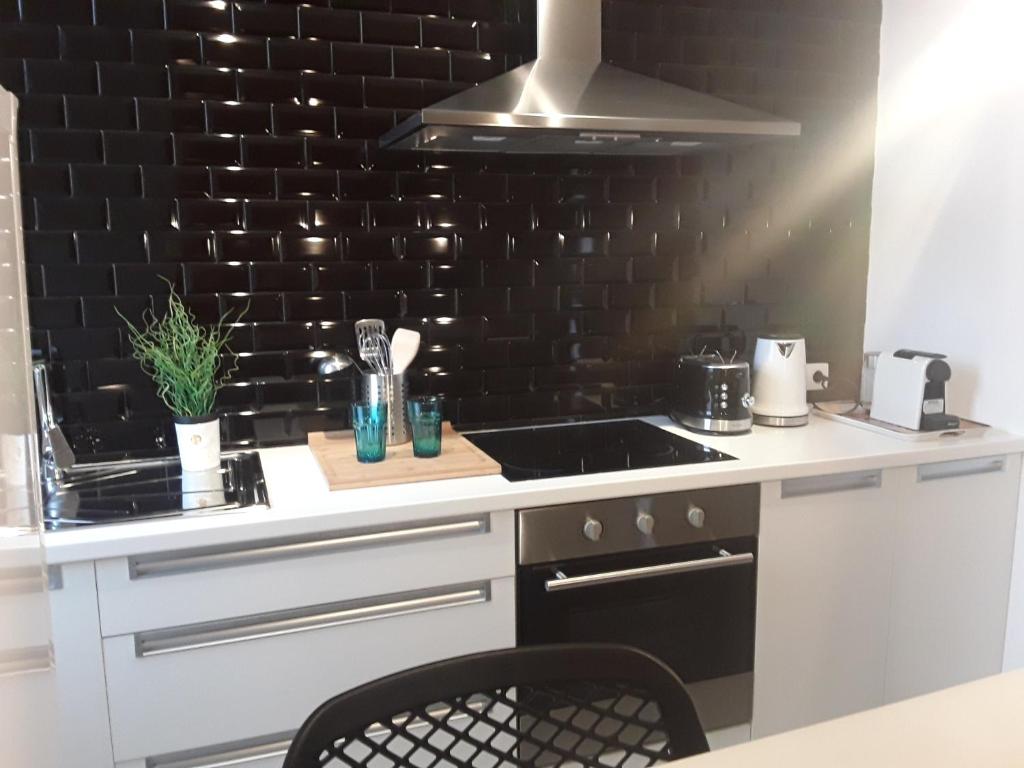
{"x":812,"y":370}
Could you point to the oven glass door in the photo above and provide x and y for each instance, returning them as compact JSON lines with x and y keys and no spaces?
{"x":700,"y":622}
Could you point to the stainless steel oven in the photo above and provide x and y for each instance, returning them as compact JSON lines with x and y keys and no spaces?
{"x":674,"y":574}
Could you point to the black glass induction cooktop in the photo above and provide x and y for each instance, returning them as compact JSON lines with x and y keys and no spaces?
{"x":533,"y":453}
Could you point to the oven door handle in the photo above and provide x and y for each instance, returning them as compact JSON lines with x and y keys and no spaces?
{"x":724,"y":559}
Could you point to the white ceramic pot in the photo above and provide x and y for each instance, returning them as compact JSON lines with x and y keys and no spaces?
{"x":202,"y":490}
{"x":198,"y":442}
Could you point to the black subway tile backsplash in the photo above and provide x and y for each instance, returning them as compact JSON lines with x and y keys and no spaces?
{"x":231,"y":148}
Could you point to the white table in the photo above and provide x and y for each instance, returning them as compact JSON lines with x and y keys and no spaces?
{"x":980,"y":723}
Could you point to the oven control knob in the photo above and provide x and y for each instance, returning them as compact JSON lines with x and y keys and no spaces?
{"x":696,"y":516}
{"x":645,"y":523}
{"x":592,"y":529}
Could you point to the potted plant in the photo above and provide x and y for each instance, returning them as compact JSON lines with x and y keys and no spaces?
{"x":189,"y":364}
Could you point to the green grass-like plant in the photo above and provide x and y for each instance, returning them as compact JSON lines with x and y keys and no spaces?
{"x":188,"y":363}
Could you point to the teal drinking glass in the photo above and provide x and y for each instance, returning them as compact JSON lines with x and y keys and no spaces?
{"x":425,"y":420}
{"x":370,"y":425}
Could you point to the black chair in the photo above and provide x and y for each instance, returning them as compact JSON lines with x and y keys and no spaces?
{"x":598,"y":706}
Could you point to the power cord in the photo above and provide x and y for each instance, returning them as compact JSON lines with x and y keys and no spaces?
{"x":825,"y":382}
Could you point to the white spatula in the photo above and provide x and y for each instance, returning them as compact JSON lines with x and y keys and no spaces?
{"x":404,"y":346}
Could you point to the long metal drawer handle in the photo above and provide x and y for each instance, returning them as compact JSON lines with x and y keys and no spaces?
{"x":230,"y":758}
{"x":847,"y":481}
{"x":723,"y":560}
{"x":144,"y":567}
{"x":159,"y":642}
{"x":950,"y":469}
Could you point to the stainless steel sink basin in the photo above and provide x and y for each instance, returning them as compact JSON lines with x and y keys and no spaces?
{"x":122,"y":491}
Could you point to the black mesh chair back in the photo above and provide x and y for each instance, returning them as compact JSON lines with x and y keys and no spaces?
{"x":593,"y":706}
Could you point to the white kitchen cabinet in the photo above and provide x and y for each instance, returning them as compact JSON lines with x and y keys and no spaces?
{"x":212,"y":684}
{"x":82,"y":732}
{"x":215,"y":655}
{"x":824,"y":566}
{"x":213,"y":583}
{"x":954,"y":533}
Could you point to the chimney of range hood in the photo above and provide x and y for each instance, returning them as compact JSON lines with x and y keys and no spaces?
{"x":569,"y":101}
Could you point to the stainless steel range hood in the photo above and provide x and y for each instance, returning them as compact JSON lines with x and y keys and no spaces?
{"x":569,"y":101}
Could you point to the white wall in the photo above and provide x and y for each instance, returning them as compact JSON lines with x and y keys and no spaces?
{"x":946,"y":269}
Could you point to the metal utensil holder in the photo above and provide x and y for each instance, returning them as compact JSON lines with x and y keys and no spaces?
{"x":393,"y":390}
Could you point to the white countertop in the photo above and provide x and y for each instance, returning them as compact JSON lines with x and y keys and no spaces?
{"x":973,"y":724}
{"x":302,"y":504}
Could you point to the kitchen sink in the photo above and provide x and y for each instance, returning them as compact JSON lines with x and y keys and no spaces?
{"x":123,"y":491}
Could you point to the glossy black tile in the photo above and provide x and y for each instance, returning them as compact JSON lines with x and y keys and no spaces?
{"x":93,"y":44}
{"x":207,"y":150}
{"x":133,"y":14}
{"x":369,"y":246}
{"x":179,"y":247}
{"x":249,"y":183}
{"x":405,"y":275}
{"x":106,"y":180}
{"x":204,"y":83}
{"x":247,"y":246}
{"x":331,"y":216}
{"x":234,"y":51}
{"x":118,"y":79}
{"x":110,"y":247}
{"x":391,"y":29}
{"x":216,"y":278}
{"x":296,"y":120}
{"x":91,"y":112}
{"x":29,"y":41}
{"x":256,"y":18}
{"x":55,"y":313}
{"x":382,"y":304}
{"x":43,"y":76}
{"x":475,"y":67}
{"x":342,"y":277}
{"x":428,"y":246}
{"x":323,"y":24}
{"x":41,"y":111}
{"x":448,"y":33}
{"x":137,"y":148}
{"x":272,"y":152}
{"x":209,"y":214}
{"x":350,"y":59}
{"x":313,"y":306}
{"x":78,"y":280}
{"x":426,"y":63}
{"x":363,"y":123}
{"x":283,"y":336}
{"x":334,"y":154}
{"x":308,"y":248}
{"x":63,"y":213}
{"x":156,"y":48}
{"x":147,"y":279}
{"x":136,"y":215}
{"x":49,"y":248}
{"x":45,"y":181}
{"x":175,"y":181}
{"x":289,"y":215}
{"x":304,"y":55}
{"x":282,"y":277}
{"x":199,"y":15}
{"x":232,"y":117}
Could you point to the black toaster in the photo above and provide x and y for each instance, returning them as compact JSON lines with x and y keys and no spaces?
{"x":711,"y":394}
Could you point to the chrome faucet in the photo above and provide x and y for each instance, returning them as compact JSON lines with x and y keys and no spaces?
{"x":56,"y":453}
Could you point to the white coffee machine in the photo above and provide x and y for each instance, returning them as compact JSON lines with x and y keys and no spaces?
{"x":780,"y":386}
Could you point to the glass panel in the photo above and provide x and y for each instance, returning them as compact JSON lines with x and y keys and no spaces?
{"x":27,"y":692}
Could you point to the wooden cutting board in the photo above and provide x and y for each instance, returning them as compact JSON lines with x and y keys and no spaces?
{"x":335,"y":452}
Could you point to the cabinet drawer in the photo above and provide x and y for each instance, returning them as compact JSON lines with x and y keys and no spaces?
{"x":137,"y":594}
{"x":225,"y":682}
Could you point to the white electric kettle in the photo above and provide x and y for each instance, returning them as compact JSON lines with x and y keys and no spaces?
{"x":780,"y":387}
